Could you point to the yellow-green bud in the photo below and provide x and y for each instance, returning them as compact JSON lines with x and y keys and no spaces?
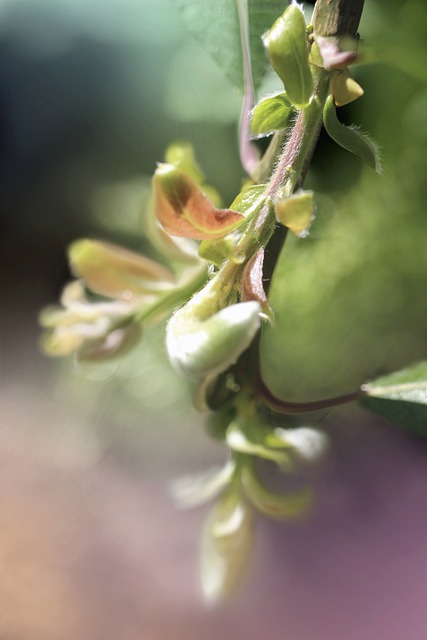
{"x":295,"y":212}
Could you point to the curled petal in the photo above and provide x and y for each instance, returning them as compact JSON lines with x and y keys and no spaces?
{"x":184,"y":210}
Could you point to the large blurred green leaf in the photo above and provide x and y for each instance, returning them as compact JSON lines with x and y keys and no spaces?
{"x":401,"y":397}
{"x":216,"y":26}
{"x":350,"y":301}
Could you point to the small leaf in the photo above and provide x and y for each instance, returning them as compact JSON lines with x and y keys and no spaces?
{"x":350,"y":137}
{"x":184,"y":210}
{"x":271,"y":114}
{"x":249,"y":199}
{"x":344,"y":88}
{"x":296,"y":212}
{"x":287,"y":47}
{"x":274,"y":505}
{"x":217,"y":27}
{"x":227,"y":542}
{"x":115,"y":272}
{"x":401,"y":397}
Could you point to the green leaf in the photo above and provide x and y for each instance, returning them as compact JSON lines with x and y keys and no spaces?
{"x":216,"y":26}
{"x":350,"y":138}
{"x":271,"y":114}
{"x":401,"y":397}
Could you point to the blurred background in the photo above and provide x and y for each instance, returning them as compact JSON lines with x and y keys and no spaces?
{"x":91,"y":545}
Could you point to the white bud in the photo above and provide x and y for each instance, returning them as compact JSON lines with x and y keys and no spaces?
{"x":199,"y":348}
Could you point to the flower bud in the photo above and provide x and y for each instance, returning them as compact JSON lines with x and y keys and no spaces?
{"x":198,"y":348}
{"x":287,"y":47}
{"x":115,"y":272}
{"x":227,"y":542}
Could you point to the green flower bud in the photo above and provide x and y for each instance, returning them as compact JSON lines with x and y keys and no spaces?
{"x":287,"y":47}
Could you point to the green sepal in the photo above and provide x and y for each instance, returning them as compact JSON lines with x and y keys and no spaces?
{"x":287,"y":47}
{"x":401,"y":397}
{"x":350,"y":138}
{"x":249,"y":199}
{"x":271,"y":114}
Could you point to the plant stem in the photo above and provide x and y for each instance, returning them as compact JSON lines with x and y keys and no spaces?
{"x":284,"y":406}
{"x":331,"y":18}
{"x":337,"y":17}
